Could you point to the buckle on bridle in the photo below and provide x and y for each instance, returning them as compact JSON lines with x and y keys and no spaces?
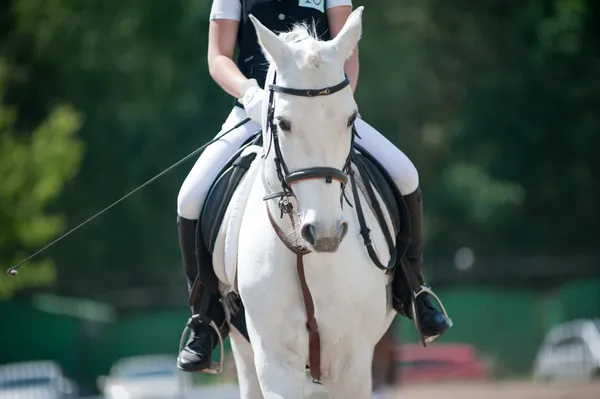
{"x":285,"y":206}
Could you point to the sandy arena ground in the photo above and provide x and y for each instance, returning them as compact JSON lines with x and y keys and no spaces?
{"x":483,"y":390}
{"x":501,"y":390}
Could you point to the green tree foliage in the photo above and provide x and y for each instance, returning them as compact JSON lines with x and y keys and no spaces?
{"x":495,"y":101}
{"x":34,"y":167}
{"x":138,"y":71}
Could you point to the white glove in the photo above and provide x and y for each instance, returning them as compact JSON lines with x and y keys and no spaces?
{"x":253,"y":100}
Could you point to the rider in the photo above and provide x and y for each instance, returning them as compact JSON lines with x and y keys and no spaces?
{"x":229,"y":23}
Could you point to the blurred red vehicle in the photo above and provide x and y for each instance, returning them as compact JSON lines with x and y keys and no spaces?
{"x":439,"y":362}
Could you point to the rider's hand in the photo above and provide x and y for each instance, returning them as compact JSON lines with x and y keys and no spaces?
{"x":253,"y":100}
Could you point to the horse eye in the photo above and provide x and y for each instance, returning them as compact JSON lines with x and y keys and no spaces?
{"x":352,"y":119}
{"x":284,"y":124}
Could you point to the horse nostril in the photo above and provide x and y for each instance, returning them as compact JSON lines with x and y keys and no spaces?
{"x":308,"y":233}
{"x":343,"y":230}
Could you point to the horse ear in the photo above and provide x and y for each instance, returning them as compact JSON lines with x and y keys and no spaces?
{"x":275,"y":50}
{"x":345,"y":42}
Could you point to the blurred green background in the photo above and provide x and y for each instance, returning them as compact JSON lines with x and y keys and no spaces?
{"x":495,"y":101}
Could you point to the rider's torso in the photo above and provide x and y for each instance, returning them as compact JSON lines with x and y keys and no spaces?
{"x":278,"y":16}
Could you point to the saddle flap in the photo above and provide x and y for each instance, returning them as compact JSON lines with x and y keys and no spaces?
{"x":382,"y":182}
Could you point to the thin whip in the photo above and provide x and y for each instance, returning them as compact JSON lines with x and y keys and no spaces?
{"x":13,"y":270}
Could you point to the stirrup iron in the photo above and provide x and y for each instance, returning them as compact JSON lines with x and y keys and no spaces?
{"x":426,"y":290}
{"x":214,"y":368}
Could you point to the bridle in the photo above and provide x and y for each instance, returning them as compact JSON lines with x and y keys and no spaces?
{"x":287,"y":177}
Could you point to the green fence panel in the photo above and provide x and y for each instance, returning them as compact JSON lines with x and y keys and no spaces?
{"x":508,"y":325}
{"x":581,"y":299}
{"x":30,"y":334}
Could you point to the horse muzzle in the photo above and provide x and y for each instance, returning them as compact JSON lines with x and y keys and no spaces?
{"x":323,"y":239}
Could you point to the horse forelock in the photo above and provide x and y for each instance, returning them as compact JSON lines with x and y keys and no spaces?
{"x":304,"y":37}
{"x":299,"y":32}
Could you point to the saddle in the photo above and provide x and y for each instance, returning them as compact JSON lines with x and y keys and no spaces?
{"x":228,"y":179}
{"x":230,"y":176}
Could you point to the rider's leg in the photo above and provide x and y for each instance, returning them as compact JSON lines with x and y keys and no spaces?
{"x":406,"y":177}
{"x":196,"y":355}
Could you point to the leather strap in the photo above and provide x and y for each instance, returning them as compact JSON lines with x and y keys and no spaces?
{"x":314,"y":339}
{"x":295,"y":249}
{"x":309,"y":92}
{"x":365,"y":232}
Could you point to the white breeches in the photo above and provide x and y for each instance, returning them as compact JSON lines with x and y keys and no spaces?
{"x":195,"y":188}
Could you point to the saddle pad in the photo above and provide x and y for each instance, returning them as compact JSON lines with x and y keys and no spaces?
{"x":220,"y":193}
{"x":225,"y":204}
{"x":226,"y":243}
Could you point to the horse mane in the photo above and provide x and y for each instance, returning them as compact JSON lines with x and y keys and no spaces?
{"x":300,"y":31}
{"x":306,"y":35}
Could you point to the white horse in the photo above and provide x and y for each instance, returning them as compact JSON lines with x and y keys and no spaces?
{"x":307,"y":138}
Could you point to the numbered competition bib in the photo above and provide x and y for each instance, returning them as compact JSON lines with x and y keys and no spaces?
{"x":316,"y":4}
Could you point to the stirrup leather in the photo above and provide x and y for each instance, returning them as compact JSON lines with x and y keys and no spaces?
{"x":214,"y":368}
{"x":425,"y":289}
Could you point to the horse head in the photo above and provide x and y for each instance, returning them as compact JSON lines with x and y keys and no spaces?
{"x":308,"y":126}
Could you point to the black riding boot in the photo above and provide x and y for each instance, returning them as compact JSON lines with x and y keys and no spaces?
{"x":196,"y":355}
{"x":432,"y":321}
